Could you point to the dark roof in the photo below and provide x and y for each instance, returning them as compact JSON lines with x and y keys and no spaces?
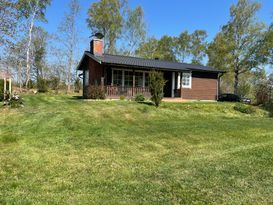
{"x":146,"y":63}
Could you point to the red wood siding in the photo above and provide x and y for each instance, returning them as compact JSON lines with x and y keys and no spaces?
{"x":204,"y":87}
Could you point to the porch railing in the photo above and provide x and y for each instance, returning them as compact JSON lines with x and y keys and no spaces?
{"x":117,"y":91}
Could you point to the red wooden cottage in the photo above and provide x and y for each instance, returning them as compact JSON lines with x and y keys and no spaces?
{"x":128,"y":76}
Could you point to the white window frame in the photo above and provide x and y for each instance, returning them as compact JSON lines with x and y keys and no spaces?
{"x":190,"y":80}
{"x":86,"y":77}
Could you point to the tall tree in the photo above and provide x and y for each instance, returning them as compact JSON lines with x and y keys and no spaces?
{"x":134,"y":30}
{"x":69,"y":38}
{"x":31,"y":10}
{"x":106,"y":16}
{"x":148,"y":48}
{"x":239,"y":41}
{"x":8,"y":20}
{"x":182,"y":46}
{"x":162,"y":49}
{"x":39,"y":51}
{"x":198,"y":46}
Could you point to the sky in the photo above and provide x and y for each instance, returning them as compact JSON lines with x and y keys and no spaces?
{"x":169,"y":17}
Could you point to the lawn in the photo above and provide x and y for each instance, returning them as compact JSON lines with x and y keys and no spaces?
{"x":61,"y":150}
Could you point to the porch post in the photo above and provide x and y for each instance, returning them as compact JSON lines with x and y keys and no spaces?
{"x":173,"y":83}
{"x":5,"y":85}
{"x":10,"y":86}
{"x":134,"y":83}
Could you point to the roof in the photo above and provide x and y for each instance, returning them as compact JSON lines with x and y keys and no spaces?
{"x":146,"y":63}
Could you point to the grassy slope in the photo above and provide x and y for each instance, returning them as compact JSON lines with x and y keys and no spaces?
{"x":58,"y":150}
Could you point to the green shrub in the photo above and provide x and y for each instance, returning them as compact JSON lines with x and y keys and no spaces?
{"x":42,"y":85}
{"x":122,"y":97}
{"x":139,"y":98}
{"x":269,"y":108}
{"x":156,"y":83}
{"x":262,"y":94}
{"x":96,"y":92}
{"x":247,"y":109}
{"x":77,"y":85}
{"x":54,"y":83}
{"x":15,"y":101}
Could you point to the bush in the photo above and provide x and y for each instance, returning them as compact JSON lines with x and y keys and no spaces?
{"x":262,"y":94}
{"x":96,"y":92}
{"x":157,"y":83}
{"x":122,"y":97}
{"x":77,"y":85}
{"x":15,"y":101}
{"x":42,"y":85}
{"x":247,"y":109}
{"x":54,"y":83}
{"x":269,"y":108}
{"x":139,"y":98}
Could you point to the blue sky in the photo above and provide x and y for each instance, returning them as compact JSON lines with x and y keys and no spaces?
{"x":169,"y":17}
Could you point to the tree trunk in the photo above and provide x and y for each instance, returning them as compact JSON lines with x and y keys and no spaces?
{"x":70,"y":62}
{"x":28,"y":49}
{"x":236,"y":80}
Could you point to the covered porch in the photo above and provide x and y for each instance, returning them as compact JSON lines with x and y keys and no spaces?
{"x":130,"y":82}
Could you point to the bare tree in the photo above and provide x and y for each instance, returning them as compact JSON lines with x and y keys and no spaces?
{"x":69,"y":37}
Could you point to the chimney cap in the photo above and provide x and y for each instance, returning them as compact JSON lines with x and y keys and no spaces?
{"x":98,"y":35}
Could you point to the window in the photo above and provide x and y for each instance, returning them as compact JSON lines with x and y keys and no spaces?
{"x":128,"y":78}
{"x":86,"y":77}
{"x":117,"y":77}
{"x":139,"y":79}
{"x":186,"y":80}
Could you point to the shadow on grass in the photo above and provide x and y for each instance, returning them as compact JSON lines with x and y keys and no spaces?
{"x":269,"y":107}
{"x":147,"y":103}
{"x":77,"y":97}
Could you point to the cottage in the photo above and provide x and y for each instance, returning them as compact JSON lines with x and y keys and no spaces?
{"x":128,"y":76}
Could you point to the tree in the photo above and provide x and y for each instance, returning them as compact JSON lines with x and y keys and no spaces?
{"x":238,"y":42}
{"x":134,"y":30}
{"x":106,"y":16}
{"x":39,"y":51}
{"x":198,"y":46}
{"x":8,"y":20}
{"x":69,"y":38}
{"x":162,"y":49}
{"x":182,"y":46}
{"x":31,"y":10}
{"x":148,"y":48}
{"x":156,"y":84}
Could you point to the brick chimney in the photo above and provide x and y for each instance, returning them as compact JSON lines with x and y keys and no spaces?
{"x":97,"y":45}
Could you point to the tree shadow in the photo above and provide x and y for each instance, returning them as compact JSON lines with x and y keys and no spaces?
{"x":77,"y":97}
{"x":147,"y":103}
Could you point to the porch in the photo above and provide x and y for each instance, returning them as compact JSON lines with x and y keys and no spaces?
{"x":130,"y":82}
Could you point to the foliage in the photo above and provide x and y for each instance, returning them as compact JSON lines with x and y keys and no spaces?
{"x":139,"y":98}
{"x":244,"y":89}
{"x":8,"y":21}
{"x":122,"y":97}
{"x":134,"y":31}
{"x":77,"y":85}
{"x":96,"y":92}
{"x":39,"y":49}
{"x":247,"y":109}
{"x":236,"y":47}
{"x":269,"y":107}
{"x":262,"y":93}
{"x":157,"y":83}
{"x":42,"y":85}
{"x":106,"y":16}
{"x":54,"y":83}
{"x":182,"y":45}
{"x":198,"y":46}
{"x":15,"y":101}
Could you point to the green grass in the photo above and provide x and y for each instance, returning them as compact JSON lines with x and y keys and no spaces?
{"x":59,"y":150}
